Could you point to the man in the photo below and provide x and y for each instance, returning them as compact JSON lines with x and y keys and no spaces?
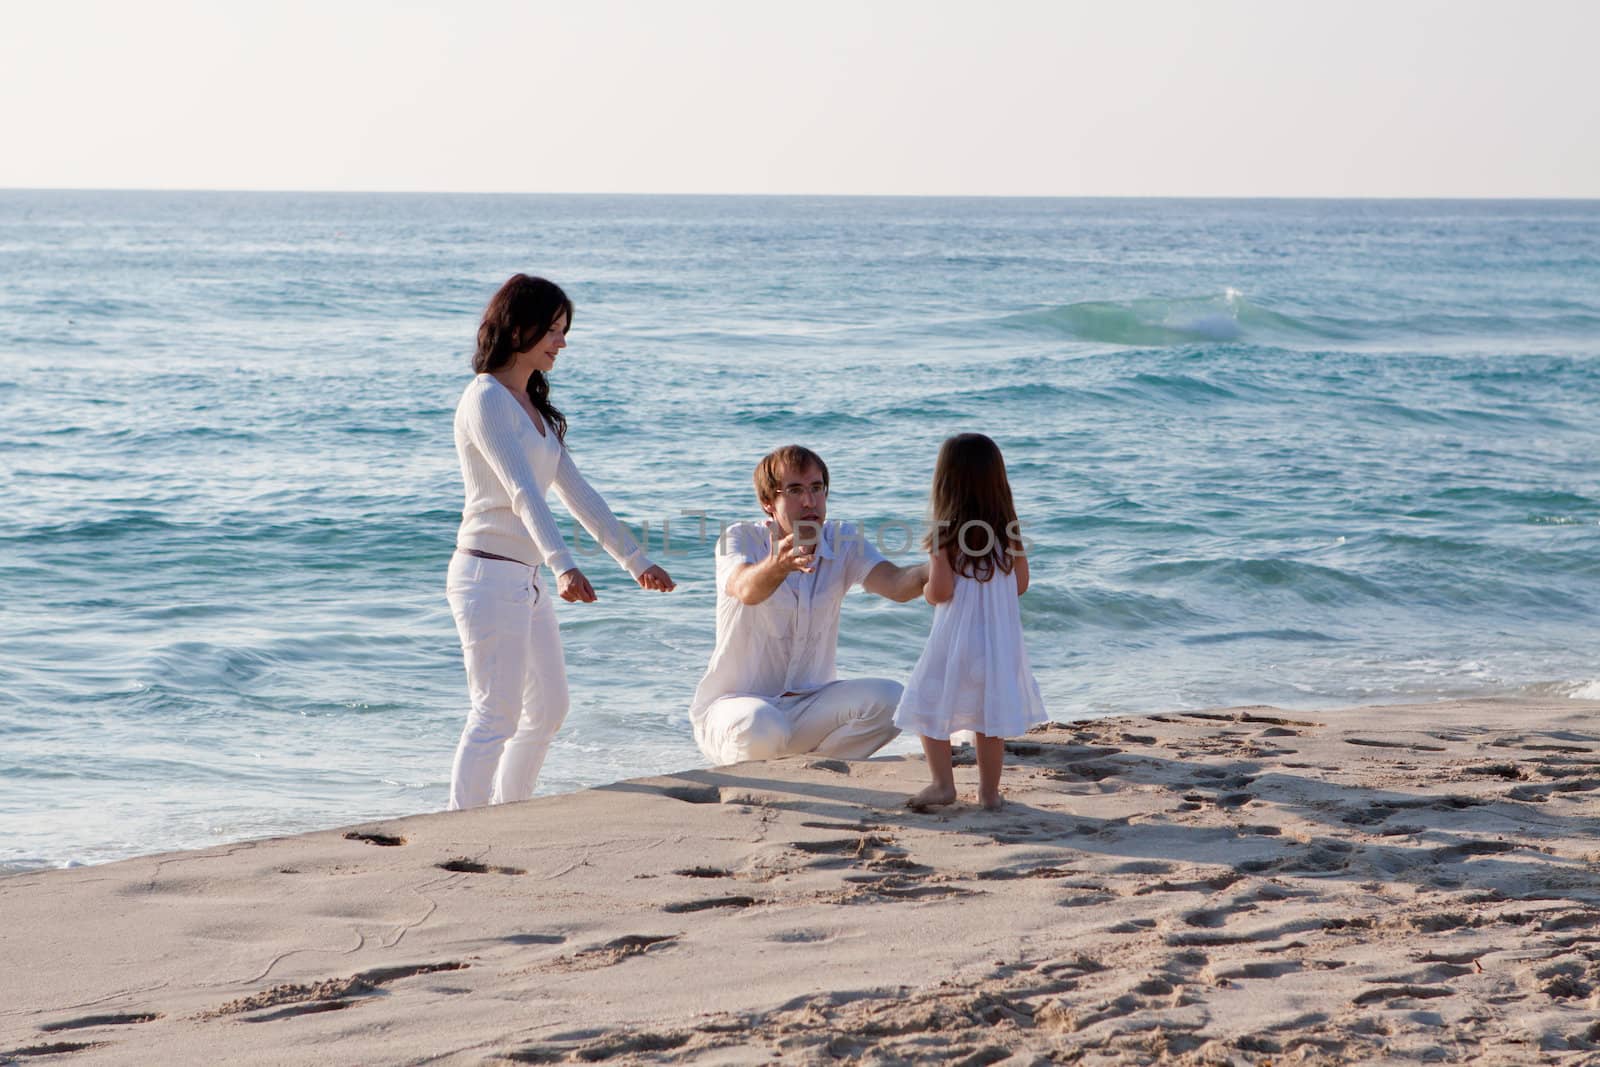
{"x":771,"y":688}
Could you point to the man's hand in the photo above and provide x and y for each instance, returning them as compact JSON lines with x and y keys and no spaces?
{"x":790,"y":553}
{"x":657,"y":579}
{"x":573,"y":587}
{"x":753,"y":583}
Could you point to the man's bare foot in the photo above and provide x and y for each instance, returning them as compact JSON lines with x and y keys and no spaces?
{"x":935,"y":796}
{"x":991,"y":801}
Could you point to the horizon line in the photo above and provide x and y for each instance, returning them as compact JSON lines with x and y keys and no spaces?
{"x":797,"y":195}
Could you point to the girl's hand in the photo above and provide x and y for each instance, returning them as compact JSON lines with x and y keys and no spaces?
{"x":657,"y":579}
{"x":574,"y":587}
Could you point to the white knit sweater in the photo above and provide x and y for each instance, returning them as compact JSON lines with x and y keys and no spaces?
{"x":508,"y":466}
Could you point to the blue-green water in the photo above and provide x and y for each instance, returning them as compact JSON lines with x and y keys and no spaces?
{"x":1300,"y":452}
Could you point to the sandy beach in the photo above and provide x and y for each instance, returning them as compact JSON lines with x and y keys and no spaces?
{"x":1242,"y":886}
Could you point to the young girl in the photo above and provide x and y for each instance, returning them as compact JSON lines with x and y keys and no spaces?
{"x":973,"y":674}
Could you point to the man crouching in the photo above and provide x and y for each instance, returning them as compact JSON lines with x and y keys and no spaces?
{"x":771,"y":688}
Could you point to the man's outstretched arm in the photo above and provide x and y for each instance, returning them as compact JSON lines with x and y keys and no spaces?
{"x":896,"y":583}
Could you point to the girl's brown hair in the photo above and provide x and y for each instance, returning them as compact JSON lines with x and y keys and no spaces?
{"x":517,"y":318}
{"x":972,"y":519}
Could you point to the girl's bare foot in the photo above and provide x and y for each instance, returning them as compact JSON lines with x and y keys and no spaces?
{"x":935,"y":796}
{"x":991,"y":801}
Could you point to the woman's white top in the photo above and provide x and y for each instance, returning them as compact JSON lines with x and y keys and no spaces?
{"x":973,"y":674}
{"x":508,"y":466}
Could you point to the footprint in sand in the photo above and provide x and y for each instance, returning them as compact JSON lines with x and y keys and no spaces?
{"x":315,"y":1008}
{"x":1084,"y":771}
{"x":842,"y":846}
{"x":837,"y":766}
{"x":1522,"y":741}
{"x":894,"y":887}
{"x":463,"y":865}
{"x":703,"y":872}
{"x":101,"y":1020}
{"x":1457,"y":958}
{"x":1509,"y":771}
{"x":1322,"y":858}
{"x":1408,"y":747}
{"x":1567,"y":980}
{"x":330,"y":994}
{"x":534,"y":939}
{"x":1368,"y":816}
{"x":56,"y":1049}
{"x":1213,"y":884}
{"x":1276,"y":720}
{"x":694,"y":794}
{"x":1003,"y":874}
{"x":1586,"y":919}
{"x":849,"y":851}
{"x":1145,"y":867}
{"x":1540,"y":794}
{"x":1156,"y":986}
{"x":1077,"y":965}
{"x":605,"y":1048}
{"x":708,"y":904}
{"x":1388,"y":994}
{"x":1452,"y":853}
{"x":612,"y":952}
{"x":1443,"y":921}
{"x":1215,"y":918}
{"x":385,"y":840}
{"x":802,"y":937}
{"x":1255,"y":971}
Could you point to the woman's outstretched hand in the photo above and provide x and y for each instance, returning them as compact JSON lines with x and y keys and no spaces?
{"x":573,"y":586}
{"x":657,"y":579}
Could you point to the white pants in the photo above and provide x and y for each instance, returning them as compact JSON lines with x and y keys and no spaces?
{"x":852,"y":718}
{"x":515,"y":675}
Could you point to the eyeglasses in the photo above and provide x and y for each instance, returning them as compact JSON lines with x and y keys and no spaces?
{"x":800,"y":492}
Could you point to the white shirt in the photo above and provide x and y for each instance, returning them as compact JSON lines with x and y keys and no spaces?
{"x":507,"y":466}
{"x":786,"y":643}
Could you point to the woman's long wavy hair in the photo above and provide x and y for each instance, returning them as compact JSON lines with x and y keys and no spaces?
{"x":973,"y":521}
{"x":517,"y":318}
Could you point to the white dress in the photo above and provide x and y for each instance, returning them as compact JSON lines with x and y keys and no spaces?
{"x":973,"y":674}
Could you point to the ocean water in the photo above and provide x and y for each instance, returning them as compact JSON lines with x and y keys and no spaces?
{"x":1311,"y":453}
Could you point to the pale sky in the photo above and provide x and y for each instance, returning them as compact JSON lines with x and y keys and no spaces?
{"x":1000,"y":97}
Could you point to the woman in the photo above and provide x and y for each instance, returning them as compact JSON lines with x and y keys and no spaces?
{"x":511,"y":442}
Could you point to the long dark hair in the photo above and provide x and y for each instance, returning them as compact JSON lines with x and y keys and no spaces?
{"x":974,"y":522}
{"x":517,"y":318}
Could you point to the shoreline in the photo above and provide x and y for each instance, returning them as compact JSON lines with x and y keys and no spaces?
{"x":1541,"y":693}
{"x":1244,"y":885}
